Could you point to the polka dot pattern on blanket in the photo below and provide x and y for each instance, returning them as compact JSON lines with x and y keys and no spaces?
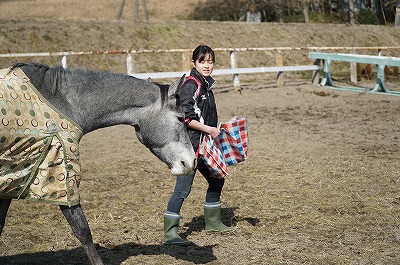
{"x":39,"y":146}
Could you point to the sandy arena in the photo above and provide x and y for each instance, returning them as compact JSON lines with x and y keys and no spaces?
{"x":321,"y":186}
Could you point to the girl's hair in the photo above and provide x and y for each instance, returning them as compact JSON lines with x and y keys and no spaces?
{"x":200,"y":53}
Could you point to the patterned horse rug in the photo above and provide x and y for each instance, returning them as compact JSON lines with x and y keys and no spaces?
{"x":39,"y":146}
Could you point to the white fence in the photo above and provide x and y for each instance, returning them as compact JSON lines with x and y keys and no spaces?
{"x":233,"y":70}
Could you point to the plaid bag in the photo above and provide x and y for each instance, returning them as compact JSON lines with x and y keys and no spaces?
{"x":213,"y":158}
{"x":233,"y":140}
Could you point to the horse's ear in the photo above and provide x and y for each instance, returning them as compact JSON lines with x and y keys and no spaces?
{"x":175,"y":86}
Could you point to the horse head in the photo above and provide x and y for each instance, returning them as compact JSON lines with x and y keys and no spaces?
{"x":163,"y":131}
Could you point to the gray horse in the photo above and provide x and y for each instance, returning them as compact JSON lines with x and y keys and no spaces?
{"x":84,"y":101}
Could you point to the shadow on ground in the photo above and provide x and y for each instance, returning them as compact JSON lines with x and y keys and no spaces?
{"x":228,"y":217}
{"x":118,"y":254}
{"x":193,"y":253}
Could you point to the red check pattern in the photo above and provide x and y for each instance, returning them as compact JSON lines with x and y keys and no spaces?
{"x":233,"y":140}
{"x":213,"y":158}
{"x":229,"y":148}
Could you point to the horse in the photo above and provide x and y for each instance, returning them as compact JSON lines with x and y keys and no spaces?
{"x":79,"y":101}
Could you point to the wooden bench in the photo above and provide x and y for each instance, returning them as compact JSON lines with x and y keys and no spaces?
{"x":379,"y":61}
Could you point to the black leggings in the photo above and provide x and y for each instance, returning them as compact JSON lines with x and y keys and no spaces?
{"x":183,"y":186}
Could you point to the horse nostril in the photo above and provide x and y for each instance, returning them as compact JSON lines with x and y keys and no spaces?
{"x":183,"y":163}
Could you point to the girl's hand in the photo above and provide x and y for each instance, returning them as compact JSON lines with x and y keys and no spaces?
{"x":214,"y":132}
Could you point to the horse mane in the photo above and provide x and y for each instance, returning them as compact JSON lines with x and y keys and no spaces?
{"x":56,"y":73}
{"x":164,"y":94}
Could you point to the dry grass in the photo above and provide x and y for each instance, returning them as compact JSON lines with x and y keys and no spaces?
{"x":95,"y":9}
{"x":37,"y":35}
{"x":61,"y":25}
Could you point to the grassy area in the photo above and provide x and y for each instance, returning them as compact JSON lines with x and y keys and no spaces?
{"x":43,"y":35}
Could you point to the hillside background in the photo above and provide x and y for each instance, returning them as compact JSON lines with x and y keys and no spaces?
{"x":72,"y":25}
{"x":95,"y":9}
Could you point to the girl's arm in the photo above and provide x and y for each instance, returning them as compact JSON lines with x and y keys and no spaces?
{"x":196,"y":125}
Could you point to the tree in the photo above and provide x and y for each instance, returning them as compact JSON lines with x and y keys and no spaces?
{"x":121,"y":9}
{"x":137,"y":10}
{"x":352,"y":18}
{"x":306,"y":4}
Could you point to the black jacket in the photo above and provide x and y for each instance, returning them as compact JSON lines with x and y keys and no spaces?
{"x":201,"y":108}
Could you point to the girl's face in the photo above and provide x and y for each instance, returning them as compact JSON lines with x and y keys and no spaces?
{"x":204,"y":67}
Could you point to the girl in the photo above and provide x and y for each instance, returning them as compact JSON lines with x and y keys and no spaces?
{"x":198,"y":104}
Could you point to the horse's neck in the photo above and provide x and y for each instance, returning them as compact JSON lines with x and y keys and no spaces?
{"x":94,"y":102}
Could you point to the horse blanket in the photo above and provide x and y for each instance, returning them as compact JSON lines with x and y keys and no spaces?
{"x":39,"y":146}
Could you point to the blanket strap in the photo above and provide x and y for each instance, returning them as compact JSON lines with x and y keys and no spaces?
{"x":37,"y":164}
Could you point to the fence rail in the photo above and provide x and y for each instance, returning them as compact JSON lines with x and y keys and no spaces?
{"x":186,"y":58}
{"x":381,"y":63}
{"x":308,"y":48}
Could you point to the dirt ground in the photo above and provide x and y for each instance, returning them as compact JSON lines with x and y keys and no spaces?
{"x":321,"y":186}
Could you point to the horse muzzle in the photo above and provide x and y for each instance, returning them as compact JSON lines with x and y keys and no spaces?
{"x":184,"y":166}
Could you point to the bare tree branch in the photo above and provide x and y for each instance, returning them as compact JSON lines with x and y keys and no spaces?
{"x":121,"y":8}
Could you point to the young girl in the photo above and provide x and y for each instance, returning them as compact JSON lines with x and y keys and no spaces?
{"x":201,"y":118}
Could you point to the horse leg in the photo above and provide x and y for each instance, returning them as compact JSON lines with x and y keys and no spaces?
{"x":4,"y":205}
{"x":77,"y":220}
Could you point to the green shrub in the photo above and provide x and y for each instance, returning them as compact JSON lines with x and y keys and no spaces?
{"x":218,"y":10}
{"x":367,"y":16}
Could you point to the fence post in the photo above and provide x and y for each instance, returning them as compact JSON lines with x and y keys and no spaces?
{"x":315,"y":74}
{"x":130,"y":64}
{"x":236,"y":80}
{"x":279,"y":62}
{"x":353,"y":70}
{"x":186,"y":61}
{"x":64,"y":62}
